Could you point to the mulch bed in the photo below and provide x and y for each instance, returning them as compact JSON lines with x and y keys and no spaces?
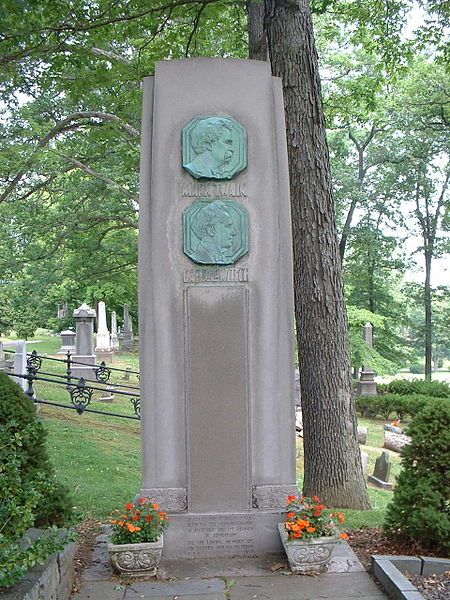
{"x":368,"y":541}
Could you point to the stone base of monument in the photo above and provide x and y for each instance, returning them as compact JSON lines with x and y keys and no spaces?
{"x":83,"y":370}
{"x":366,"y":387}
{"x":66,"y":349}
{"x":223,"y":535}
{"x":379,"y":482}
{"x":104,"y":355}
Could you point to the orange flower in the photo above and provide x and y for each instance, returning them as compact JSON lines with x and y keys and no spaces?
{"x":149,"y":518}
{"x":129,"y":506}
{"x":310,"y":529}
{"x":291,"y":515}
{"x":156,"y":506}
{"x":298,"y":534}
{"x":302,"y":523}
{"x":136,"y":518}
{"x":316,"y":498}
{"x":341,"y":517}
{"x":343,"y":536}
{"x":143,"y":501}
{"x":291,"y":499}
{"x":162,"y":515}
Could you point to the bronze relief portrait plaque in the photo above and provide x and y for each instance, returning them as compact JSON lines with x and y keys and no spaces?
{"x":215,"y":232}
{"x":214,"y":147}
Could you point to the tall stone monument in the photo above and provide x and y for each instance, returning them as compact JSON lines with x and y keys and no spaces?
{"x":367,"y":385}
{"x":114,"y":336}
{"x":127,"y":329}
{"x":84,"y":346}
{"x":216,"y":306}
{"x":103,"y":348}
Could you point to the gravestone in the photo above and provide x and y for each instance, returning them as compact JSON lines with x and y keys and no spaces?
{"x":103,"y":348}
{"x":364,"y":462}
{"x":127,"y":329}
{"x":367,"y":385}
{"x":381,"y":472}
{"x":216,"y":307}
{"x":67,"y":341}
{"x":114,"y":336}
{"x":20,"y":363}
{"x":84,"y":342}
{"x":362,"y":434}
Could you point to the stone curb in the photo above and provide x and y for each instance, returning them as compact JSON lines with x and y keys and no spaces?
{"x":388,"y":570}
{"x":53,"y":580}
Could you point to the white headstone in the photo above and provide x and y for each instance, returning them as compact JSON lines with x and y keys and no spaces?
{"x":103,"y":341}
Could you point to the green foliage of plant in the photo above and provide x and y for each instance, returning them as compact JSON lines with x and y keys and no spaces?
{"x":387,"y":404}
{"x":417,"y":369}
{"x":18,"y":414}
{"x":420,"y":508}
{"x":434,"y":389}
{"x":29,"y":494}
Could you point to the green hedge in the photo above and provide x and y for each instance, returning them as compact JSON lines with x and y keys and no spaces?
{"x":388,"y":405}
{"x":404,"y":387}
{"x":420,"y":508}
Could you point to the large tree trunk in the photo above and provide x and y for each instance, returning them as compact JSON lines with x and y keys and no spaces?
{"x":332,"y":459}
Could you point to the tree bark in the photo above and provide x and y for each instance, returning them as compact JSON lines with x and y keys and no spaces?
{"x":333,"y":468}
{"x":257,"y":40}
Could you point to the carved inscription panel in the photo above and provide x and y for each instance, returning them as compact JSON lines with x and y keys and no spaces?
{"x":220,"y":535}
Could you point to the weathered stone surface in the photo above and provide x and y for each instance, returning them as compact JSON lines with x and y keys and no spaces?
{"x":395,"y":441}
{"x":217,"y":405}
{"x":434,"y":566}
{"x":52,"y":581}
{"x":84,"y":351}
{"x":392,"y":580}
{"x":362,"y":434}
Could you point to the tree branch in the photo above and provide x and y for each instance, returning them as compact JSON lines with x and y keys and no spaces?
{"x":77,"y":163}
{"x":62,"y":126}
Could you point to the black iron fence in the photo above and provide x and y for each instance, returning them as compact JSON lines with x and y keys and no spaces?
{"x":80,"y":390}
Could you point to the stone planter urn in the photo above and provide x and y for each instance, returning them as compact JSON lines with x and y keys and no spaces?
{"x":307,"y":556}
{"x":137,"y":560}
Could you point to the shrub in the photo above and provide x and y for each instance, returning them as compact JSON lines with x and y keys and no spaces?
{"x":434,"y":389}
{"x":417,"y":369}
{"x":19,"y":415}
{"x":29,"y":493}
{"x":420,"y":509}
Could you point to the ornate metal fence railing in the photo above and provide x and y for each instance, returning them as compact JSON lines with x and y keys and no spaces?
{"x":81,"y":390}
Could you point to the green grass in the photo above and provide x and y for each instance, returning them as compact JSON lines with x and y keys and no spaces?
{"x":98,"y":457}
{"x":379,"y":498}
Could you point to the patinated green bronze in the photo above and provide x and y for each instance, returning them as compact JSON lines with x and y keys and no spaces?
{"x":214,"y":147}
{"x":215,"y":232}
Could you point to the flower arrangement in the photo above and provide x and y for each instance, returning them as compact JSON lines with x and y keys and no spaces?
{"x":306,"y":519}
{"x":141,"y":522}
